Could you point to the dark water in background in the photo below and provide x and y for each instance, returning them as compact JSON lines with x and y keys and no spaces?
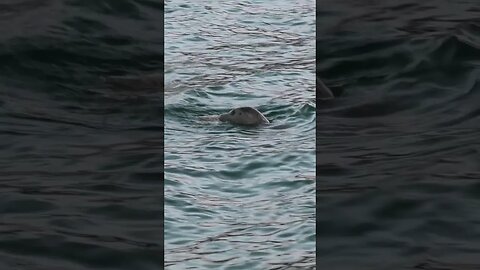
{"x":80,"y":152}
{"x":398,"y":152}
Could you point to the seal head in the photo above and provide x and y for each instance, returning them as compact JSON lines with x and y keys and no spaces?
{"x":323,"y":92}
{"x":244,"y":116}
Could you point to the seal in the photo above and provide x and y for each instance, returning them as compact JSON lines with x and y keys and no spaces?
{"x":247,"y":116}
{"x":323,"y":91}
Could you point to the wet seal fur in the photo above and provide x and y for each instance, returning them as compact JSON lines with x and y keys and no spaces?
{"x":246,"y":116}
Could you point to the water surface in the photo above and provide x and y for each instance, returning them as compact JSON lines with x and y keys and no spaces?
{"x":397,"y":152}
{"x":237,"y":197}
{"x":80,"y":160}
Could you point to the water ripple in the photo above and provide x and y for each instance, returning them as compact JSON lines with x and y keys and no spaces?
{"x":236,"y":181}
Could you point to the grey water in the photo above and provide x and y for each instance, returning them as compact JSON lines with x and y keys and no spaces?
{"x":239,"y":197}
{"x":81,"y":158}
{"x":398,"y":174}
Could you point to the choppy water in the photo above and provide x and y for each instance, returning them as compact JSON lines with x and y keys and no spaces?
{"x":239,"y":198}
{"x":81,"y":150}
{"x":398,"y":151}
{"x":80,"y":160}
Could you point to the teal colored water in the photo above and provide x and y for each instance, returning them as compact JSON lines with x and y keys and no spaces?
{"x":239,"y":197}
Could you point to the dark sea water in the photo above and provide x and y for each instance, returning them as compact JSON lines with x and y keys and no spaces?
{"x":398,"y":152}
{"x":81,"y":150}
